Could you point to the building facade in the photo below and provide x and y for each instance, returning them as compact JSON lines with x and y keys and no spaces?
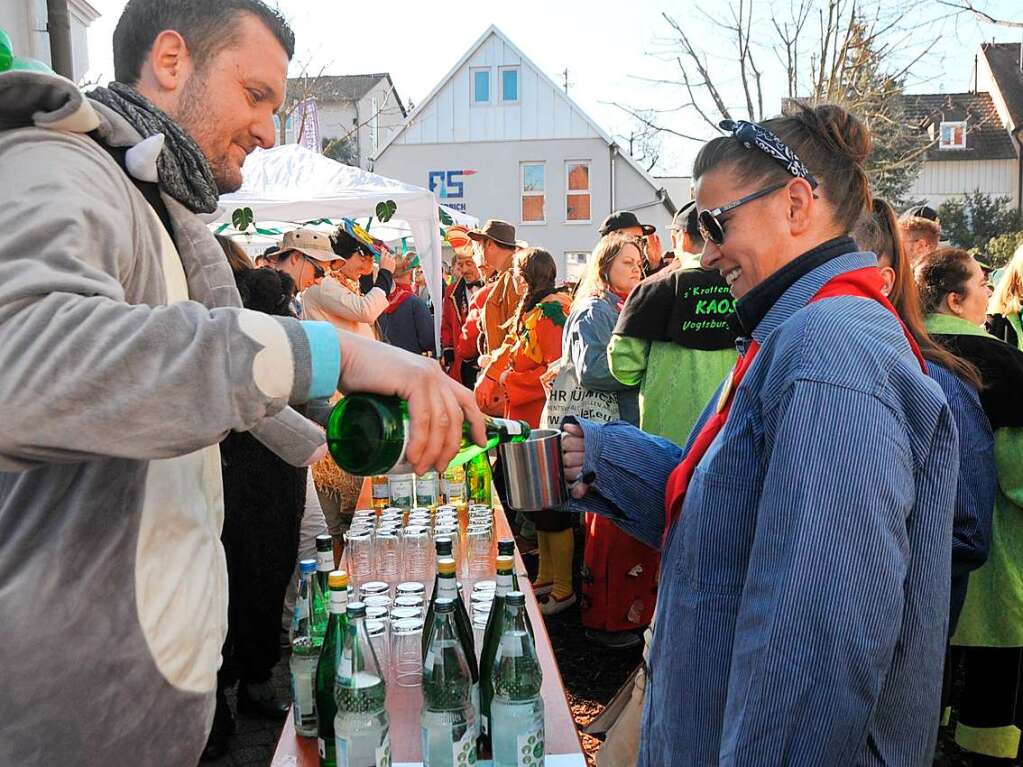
{"x":26,"y":20}
{"x":976,"y":136}
{"x":496,"y":138}
{"x":354,"y":115}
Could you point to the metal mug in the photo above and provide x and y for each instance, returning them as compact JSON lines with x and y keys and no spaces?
{"x":534,"y":472}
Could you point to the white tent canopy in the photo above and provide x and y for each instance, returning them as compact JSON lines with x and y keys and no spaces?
{"x":291,"y":183}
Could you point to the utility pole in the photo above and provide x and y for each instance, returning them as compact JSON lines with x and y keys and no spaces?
{"x":58,"y":24}
{"x":564,"y":76}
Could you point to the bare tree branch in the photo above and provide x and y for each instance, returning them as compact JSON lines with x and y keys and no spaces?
{"x":968,"y":7}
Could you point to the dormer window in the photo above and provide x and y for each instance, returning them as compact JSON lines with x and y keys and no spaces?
{"x":952,"y":135}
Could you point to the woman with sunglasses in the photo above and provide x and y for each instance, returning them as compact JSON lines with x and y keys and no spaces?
{"x":804,"y":530}
{"x":338,"y":299}
{"x":989,"y":638}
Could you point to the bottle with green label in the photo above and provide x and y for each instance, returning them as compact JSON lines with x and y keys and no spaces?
{"x":479,"y":480}
{"x":305,"y":652}
{"x":448,"y":719}
{"x":361,"y":725}
{"x":326,"y":667}
{"x":516,"y":711}
{"x":367,"y":434}
{"x":491,"y":639}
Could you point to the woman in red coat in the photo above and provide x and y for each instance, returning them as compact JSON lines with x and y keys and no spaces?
{"x":534,"y":336}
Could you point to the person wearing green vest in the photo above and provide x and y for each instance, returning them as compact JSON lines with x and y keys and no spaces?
{"x":989,"y":635}
{"x":673,"y":338}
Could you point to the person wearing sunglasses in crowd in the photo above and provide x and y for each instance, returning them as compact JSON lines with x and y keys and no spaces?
{"x":804,"y":530}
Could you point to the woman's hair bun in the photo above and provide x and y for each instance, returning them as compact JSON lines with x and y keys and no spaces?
{"x":839,"y":128}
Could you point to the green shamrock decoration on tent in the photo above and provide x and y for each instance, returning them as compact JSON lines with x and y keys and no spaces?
{"x":9,"y":61}
{"x":386,"y":210}
{"x":444,"y":217}
{"x":242,"y":218}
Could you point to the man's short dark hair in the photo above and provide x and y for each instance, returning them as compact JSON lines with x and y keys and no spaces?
{"x":206,"y":26}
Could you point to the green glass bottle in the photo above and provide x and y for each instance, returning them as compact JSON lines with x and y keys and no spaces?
{"x":367,"y":435}
{"x":479,"y":480}
{"x":506,"y":548}
{"x":305,"y":653}
{"x":491,"y":640}
{"x":448,"y":718}
{"x":324,"y":564}
{"x":361,"y":725}
{"x":326,"y":667}
{"x":516,"y":710}
{"x":319,"y":592}
{"x":444,"y":549}
{"x":447,"y":588}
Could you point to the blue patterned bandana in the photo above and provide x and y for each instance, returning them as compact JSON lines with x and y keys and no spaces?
{"x":753,"y":135}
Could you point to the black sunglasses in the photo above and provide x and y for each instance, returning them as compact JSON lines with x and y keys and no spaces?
{"x":318,"y":271}
{"x":712,"y":229}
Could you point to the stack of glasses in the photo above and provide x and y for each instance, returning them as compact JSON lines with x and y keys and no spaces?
{"x":396,"y":545}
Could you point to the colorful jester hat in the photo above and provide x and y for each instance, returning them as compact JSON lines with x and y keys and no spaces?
{"x":372,"y":244}
{"x":8,"y":61}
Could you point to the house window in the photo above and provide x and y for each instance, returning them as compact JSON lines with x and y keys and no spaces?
{"x":577,"y":191}
{"x":533,"y":186}
{"x":481,"y":86}
{"x":510,"y":84}
{"x":952,"y":135}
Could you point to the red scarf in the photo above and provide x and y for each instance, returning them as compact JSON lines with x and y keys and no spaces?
{"x":399,"y":295}
{"x":865,"y":283}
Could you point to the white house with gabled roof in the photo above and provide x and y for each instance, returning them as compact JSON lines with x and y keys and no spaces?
{"x":498,"y":139}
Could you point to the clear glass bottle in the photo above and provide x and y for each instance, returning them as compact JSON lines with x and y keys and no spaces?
{"x":361,"y":726}
{"x":448,"y":719}
{"x":305,"y":652}
{"x":516,"y":711}
{"x":381,"y":485}
{"x":367,"y":435}
{"x":326,"y":668}
{"x":428,"y":490}
{"x":454,"y":485}
{"x":403,"y":491}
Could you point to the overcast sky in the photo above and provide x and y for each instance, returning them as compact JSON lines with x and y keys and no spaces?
{"x":607,"y":47}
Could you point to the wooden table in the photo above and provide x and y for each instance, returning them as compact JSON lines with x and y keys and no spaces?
{"x":404,"y":703}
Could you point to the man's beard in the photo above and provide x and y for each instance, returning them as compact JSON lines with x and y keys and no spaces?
{"x":195,"y":117}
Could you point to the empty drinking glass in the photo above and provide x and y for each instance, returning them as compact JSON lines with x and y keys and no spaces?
{"x":388,"y":556}
{"x":477,"y":551}
{"x":359,"y":551}
{"x":409,"y":600}
{"x":377,"y":631}
{"x":407,"y":650}
{"x":373,"y":588}
{"x":411,"y":588}
{"x":417,"y":555}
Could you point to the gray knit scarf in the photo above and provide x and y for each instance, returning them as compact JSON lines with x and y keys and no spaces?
{"x":183,"y":169}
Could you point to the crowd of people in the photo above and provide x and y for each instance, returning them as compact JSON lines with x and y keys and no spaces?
{"x":794,"y":435}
